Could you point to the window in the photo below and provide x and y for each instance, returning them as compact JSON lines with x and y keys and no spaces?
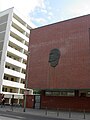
{"x":59,"y":93}
{"x":12,"y":79}
{"x":10,"y":90}
{"x":1,"y":45}
{"x":5,"y":77}
{"x":3,"y":18}
{"x":3,"y":27}
{"x":13,"y":68}
{"x":7,"y":66}
{"x":5,"y":89}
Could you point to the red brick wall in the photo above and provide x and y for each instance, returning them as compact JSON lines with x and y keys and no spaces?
{"x":29,"y":101}
{"x":76,"y":103}
{"x":71,"y":37}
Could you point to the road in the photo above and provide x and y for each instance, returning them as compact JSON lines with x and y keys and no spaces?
{"x":8,"y":115}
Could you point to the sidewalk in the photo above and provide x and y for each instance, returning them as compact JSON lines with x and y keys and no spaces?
{"x":50,"y":113}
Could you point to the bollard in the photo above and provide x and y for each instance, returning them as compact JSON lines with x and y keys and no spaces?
{"x":69,"y":113}
{"x":46,"y":111}
{"x":57,"y":111}
{"x":84,"y":114}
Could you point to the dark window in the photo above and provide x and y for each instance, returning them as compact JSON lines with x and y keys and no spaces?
{"x":5,"y":89}
{"x":4,"y":77}
{"x":13,"y":68}
{"x":8,"y":67}
{"x":10,"y":90}
{"x":12,"y":79}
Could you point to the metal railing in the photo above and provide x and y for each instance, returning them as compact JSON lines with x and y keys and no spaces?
{"x":68,"y":113}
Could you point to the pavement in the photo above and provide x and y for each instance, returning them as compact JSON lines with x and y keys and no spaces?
{"x":72,"y":115}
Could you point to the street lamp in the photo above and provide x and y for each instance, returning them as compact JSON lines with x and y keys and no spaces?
{"x":26,"y":81}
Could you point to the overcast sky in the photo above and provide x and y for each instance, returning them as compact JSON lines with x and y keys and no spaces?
{"x":43,"y":12}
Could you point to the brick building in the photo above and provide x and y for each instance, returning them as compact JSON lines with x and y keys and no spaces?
{"x":69,"y":81}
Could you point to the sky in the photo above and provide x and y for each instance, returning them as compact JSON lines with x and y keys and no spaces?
{"x":44,"y":12}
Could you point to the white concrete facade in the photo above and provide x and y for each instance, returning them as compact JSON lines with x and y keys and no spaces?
{"x":14,"y":39}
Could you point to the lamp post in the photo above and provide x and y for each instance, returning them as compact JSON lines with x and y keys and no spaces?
{"x":26,"y":82}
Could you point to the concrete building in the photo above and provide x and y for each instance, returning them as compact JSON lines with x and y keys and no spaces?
{"x":68,"y":84}
{"x":14,"y":39}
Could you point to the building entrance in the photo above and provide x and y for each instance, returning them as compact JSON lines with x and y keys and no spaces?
{"x":37,"y":102}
